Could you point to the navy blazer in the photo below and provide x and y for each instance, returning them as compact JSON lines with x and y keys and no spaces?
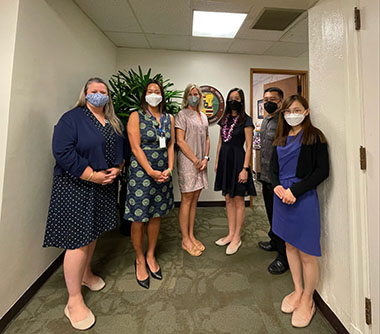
{"x":77,"y":143}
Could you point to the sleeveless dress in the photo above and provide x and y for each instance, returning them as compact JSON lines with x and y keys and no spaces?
{"x":230,"y":164}
{"x":297,"y":224}
{"x":80,"y":211}
{"x":147,"y":198}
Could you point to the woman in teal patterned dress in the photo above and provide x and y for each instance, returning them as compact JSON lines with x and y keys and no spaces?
{"x":150,"y":186}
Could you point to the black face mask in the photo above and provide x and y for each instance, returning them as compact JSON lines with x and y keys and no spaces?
{"x":270,"y":107}
{"x":234,"y":105}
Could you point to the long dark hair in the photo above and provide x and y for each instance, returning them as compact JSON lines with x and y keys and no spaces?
{"x":310,"y":134}
{"x":228,"y":111}
{"x":144,"y":104}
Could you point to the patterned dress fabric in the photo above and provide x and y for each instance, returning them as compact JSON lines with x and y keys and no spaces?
{"x":190,"y":178}
{"x":299,"y":223}
{"x":81,"y":211}
{"x":147,"y":198}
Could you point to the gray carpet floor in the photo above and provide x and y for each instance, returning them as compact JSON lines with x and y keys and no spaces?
{"x":214,"y":293}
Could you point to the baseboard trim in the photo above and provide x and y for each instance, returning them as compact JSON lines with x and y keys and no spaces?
{"x":329,"y":314}
{"x":210,"y":204}
{"x":23,"y":300}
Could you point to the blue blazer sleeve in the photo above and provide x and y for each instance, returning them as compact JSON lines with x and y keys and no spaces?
{"x":64,"y":148}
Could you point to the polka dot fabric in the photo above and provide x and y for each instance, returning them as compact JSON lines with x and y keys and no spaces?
{"x":81,"y":211}
{"x":147,"y":198}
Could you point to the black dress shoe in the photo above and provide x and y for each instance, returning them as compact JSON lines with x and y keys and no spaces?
{"x":266,"y":245}
{"x":145,"y":283}
{"x":278,"y":267}
{"x":157,"y":274}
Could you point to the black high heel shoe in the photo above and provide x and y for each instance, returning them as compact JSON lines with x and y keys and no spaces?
{"x":157,"y":274}
{"x":145,"y":283}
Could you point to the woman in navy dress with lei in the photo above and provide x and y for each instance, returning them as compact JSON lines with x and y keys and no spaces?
{"x":233,"y":174}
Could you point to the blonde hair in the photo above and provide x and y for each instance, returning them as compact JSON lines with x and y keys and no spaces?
{"x":185,"y":103}
{"x":109,"y":111}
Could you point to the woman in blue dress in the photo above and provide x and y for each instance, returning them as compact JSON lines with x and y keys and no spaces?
{"x":299,"y":164}
{"x":150,"y":187}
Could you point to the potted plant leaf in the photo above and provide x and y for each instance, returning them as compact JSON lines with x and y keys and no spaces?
{"x":126,"y":91}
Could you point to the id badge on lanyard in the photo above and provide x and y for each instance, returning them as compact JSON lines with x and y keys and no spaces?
{"x":162,"y":141}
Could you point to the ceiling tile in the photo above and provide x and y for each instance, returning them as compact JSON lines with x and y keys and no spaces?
{"x":249,"y":46}
{"x":169,"y":42}
{"x":210,"y":44}
{"x":130,"y":40}
{"x":111,"y":15}
{"x":232,"y":6}
{"x":164,"y":16}
{"x":286,"y":49}
{"x":298,"y":33}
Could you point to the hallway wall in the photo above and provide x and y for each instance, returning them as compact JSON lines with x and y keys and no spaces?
{"x":57,"y":49}
{"x":8,"y":25}
{"x":222,"y":71}
{"x":335,"y":108}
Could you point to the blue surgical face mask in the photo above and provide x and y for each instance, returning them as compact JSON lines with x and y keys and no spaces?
{"x":193,"y":100}
{"x":97,"y":99}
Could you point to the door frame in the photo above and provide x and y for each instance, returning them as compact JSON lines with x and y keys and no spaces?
{"x":304,"y":82}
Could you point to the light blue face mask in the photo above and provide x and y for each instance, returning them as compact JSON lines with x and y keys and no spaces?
{"x":97,"y":99}
{"x":193,"y":100}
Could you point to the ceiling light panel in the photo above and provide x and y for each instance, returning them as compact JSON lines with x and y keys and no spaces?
{"x":217,"y":24}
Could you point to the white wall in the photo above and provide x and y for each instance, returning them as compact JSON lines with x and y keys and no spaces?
{"x":335,"y":108}
{"x":222,"y":71}
{"x":57,"y":49}
{"x":8,"y":25}
{"x":370,"y":35}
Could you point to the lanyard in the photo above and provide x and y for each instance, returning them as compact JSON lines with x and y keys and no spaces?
{"x":161,"y":128}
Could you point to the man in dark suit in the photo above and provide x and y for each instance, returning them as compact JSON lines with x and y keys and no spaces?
{"x":273,"y":98}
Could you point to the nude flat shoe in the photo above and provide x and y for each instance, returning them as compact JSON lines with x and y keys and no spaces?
{"x":99,"y":285}
{"x":199,"y":245}
{"x":301,"y":321}
{"x":286,"y":307}
{"x":194,"y":251}
{"x":81,"y":325}
{"x":232,"y":251}
{"x":220,"y":242}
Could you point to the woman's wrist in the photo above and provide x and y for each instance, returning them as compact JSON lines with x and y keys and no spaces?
{"x":170,"y":171}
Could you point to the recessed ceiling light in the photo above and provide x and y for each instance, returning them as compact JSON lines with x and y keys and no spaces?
{"x":217,"y":24}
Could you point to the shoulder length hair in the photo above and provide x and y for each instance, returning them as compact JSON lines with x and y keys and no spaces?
{"x":310,"y":134}
{"x":144,"y":104}
{"x":228,"y":111}
{"x":188,"y":89}
{"x":109,"y":111}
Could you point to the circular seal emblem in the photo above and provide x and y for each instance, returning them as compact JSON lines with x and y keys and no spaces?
{"x":213,"y":103}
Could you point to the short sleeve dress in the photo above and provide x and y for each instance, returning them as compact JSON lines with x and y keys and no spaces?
{"x":146,"y":198}
{"x":80,"y":211}
{"x":190,"y":178}
{"x":231,"y":161}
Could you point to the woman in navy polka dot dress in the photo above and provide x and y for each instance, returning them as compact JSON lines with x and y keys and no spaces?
{"x":88,"y":148}
{"x":150,"y":187}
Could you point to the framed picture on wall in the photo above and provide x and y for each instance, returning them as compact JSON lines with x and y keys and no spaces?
{"x":260,"y":109}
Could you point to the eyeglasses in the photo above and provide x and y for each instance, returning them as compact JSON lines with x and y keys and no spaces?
{"x":293,"y":111}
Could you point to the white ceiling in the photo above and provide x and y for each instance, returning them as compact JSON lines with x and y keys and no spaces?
{"x":167,"y":24}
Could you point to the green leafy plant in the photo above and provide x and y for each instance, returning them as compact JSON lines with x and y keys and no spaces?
{"x":127,"y":88}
